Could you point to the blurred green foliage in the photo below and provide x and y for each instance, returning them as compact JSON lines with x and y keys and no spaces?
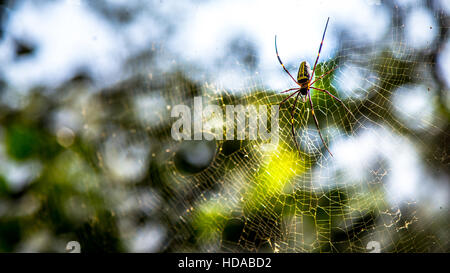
{"x":23,"y":142}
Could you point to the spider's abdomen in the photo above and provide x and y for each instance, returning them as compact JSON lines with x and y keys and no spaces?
{"x":304,"y":72}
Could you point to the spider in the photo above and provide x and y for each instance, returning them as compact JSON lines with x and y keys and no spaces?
{"x":305,"y":82}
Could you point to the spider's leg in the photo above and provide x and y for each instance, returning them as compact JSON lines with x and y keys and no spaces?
{"x":289,"y":90}
{"x":287,"y":98}
{"x":292,"y":123}
{"x":324,"y":74}
{"x":276,"y":50}
{"x":317,"y":122}
{"x":336,"y":98}
{"x":320,"y":49}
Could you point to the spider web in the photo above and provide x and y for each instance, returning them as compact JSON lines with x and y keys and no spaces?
{"x":250,"y":195}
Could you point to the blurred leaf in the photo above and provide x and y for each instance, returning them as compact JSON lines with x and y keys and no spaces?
{"x":25,"y":142}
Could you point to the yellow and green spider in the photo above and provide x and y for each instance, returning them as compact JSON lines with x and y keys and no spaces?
{"x":305,"y":82}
